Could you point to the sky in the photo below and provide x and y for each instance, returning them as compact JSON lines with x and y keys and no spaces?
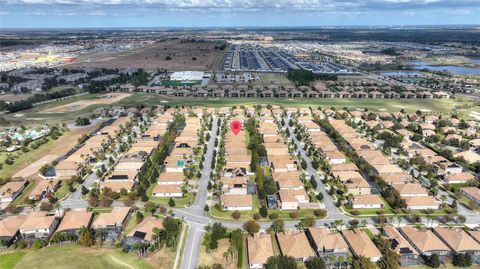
{"x":234,"y":13}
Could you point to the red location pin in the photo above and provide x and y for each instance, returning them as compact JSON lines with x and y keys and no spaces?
{"x":235,"y":126}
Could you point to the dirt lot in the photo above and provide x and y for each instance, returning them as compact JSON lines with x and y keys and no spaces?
{"x":153,"y":57}
{"x":216,"y":256}
{"x":76,"y":106}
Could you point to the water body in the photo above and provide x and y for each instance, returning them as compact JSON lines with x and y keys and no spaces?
{"x":454,"y":69}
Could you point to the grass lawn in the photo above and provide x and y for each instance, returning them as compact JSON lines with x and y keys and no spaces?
{"x":63,"y":190}
{"x":276,"y":248}
{"x":72,"y":257}
{"x":35,"y":116}
{"x":248,"y":215}
{"x":23,"y":159}
{"x":410,"y":105}
{"x":369,"y":233}
{"x":179,"y":202}
{"x":19,"y":200}
{"x":10,"y":259}
{"x":277,"y":78}
{"x":102,"y":209}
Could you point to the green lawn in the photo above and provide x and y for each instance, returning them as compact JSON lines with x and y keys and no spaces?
{"x":179,"y":202}
{"x":73,"y":257}
{"x":411,"y":105}
{"x":23,"y":159}
{"x":19,"y":200}
{"x":10,"y":259}
{"x":247,"y":215}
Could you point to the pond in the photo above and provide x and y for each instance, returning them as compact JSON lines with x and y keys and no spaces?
{"x":454,"y":69}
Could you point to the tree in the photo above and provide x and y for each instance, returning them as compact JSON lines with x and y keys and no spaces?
{"x":171,"y":202}
{"x":390,"y":259}
{"x":278,"y":226}
{"x":432,"y":261}
{"x":281,"y":262}
{"x":264,"y":211}
{"x":362,"y":262}
{"x":315,"y":263}
{"x":87,"y":237}
{"x":251,"y":227}
{"x":150,"y":207}
{"x":206,"y":208}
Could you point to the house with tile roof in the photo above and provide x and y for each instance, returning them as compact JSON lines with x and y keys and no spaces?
{"x":326,"y":242}
{"x":409,"y":256}
{"x":295,"y":244}
{"x":361,"y":245}
{"x":425,"y":242}
{"x":259,"y":249}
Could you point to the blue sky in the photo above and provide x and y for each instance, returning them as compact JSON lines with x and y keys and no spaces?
{"x":216,"y":13}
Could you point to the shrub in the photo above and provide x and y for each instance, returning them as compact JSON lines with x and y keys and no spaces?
{"x":236,"y":214}
{"x":257,"y":216}
{"x":273,"y":216}
{"x":294,"y":214}
{"x":320,"y":213}
{"x":355,"y":212}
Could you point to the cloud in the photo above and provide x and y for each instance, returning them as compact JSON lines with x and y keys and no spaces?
{"x":262,"y":5}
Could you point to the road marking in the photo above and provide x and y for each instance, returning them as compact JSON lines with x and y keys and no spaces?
{"x":191,"y":248}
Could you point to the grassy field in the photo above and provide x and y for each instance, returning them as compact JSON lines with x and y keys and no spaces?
{"x":276,"y":78}
{"x":9,"y":260}
{"x":36,"y":116}
{"x":412,"y":105}
{"x":72,"y":257}
{"x":23,"y":159}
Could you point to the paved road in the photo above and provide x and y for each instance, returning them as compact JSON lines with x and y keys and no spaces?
{"x":74,"y":201}
{"x":333,"y":212}
{"x":194,"y":215}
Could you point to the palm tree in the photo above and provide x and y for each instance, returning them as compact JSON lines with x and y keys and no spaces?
{"x":341,"y":260}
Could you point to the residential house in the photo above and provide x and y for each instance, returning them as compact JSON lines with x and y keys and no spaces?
{"x":361,"y":245}
{"x":367,"y":201}
{"x":73,"y":220}
{"x":236,"y":202}
{"x":425,"y":242}
{"x":10,"y":228}
{"x":38,"y":225}
{"x":259,"y":249}
{"x":326,"y":242}
{"x":408,"y":254}
{"x":472,"y":193}
{"x":295,"y":244}
{"x":143,"y":232}
{"x":168,"y":190}
{"x":11,"y":190}
{"x":112,"y":223}
{"x":459,"y":241}
{"x":292,"y":199}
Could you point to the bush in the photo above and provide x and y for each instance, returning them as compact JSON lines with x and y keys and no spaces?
{"x":355,"y":212}
{"x":294,"y":214}
{"x":273,"y":216}
{"x":264,"y":211}
{"x":37,"y":244}
{"x":320,"y":213}
{"x":257,"y":216}
{"x":236,"y":214}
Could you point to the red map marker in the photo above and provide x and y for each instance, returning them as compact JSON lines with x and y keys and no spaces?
{"x":235,"y":126}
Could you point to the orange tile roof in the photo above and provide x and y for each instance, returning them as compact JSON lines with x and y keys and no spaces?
{"x":259,"y":248}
